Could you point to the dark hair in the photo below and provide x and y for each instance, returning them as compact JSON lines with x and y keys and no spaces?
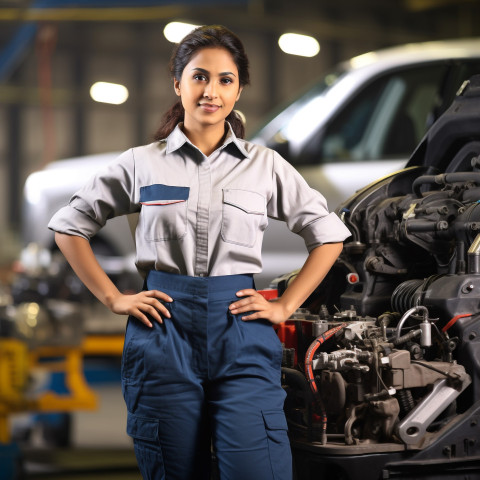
{"x":204,"y":37}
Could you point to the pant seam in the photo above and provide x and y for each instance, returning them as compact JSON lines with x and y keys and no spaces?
{"x":242,"y":450}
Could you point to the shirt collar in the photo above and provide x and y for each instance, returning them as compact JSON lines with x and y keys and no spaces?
{"x":177,"y":139}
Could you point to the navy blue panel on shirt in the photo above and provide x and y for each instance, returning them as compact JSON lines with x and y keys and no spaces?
{"x":158,"y":191}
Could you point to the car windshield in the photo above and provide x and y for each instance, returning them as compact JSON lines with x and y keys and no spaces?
{"x":344,"y":119}
{"x":293,"y":116}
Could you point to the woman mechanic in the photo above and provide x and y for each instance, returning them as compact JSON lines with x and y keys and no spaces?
{"x":201,"y":363}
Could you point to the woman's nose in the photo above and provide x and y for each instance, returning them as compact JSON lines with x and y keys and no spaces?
{"x":210,"y":90}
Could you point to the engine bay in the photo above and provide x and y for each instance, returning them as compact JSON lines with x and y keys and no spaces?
{"x":382,"y":363}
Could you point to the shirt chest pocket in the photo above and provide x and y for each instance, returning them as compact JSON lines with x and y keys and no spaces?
{"x":164,"y":212}
{"x":243,"y":216}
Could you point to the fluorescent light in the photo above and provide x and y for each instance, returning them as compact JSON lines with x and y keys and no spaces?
{"x":105,"y":92}
{"x":175,"y":31}
{"x":296,"y":44}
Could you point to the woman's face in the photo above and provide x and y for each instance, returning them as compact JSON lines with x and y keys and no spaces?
{"x":208,"y":88}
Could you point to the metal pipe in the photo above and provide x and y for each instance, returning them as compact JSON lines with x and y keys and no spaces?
{"x":406,"y":315}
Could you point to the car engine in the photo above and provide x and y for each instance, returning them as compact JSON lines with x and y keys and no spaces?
{"x":382,"y":363}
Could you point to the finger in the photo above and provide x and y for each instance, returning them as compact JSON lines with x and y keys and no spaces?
{"x":236,"y":305}
{"x":250,"y":303}
{"x":158,"y":306}
{"x":248,"y":299}
{"x":166,"y":312}
{"x":161,"y":295}
{"x":143,"y":318}
{"x":154,"y":313}
{"x":253,"y":316}
{"x":247,"y":291}
{"x":248,"y":308}
{"x":241,"y":307}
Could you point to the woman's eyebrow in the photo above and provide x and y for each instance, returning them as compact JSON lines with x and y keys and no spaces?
{"x":203,"y":70}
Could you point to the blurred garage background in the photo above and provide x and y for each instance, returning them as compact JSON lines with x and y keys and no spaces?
{"x":51,"y":53}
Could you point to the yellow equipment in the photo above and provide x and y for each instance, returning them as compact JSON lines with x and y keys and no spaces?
{"x":20,"y":359}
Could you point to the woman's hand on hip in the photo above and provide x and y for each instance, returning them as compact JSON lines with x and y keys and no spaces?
{"x":149,"y":302}
{"x":254,"y":302}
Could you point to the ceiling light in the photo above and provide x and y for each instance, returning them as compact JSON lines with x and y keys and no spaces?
{"x":105,"y":92}
{"x":296,"y":44}
{"x":175,"y":31}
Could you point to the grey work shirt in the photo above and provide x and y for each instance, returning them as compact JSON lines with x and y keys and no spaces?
{"x":198,"y":215}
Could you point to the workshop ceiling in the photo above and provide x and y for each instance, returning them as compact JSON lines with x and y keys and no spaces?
{"x":382,"y":23}
{"x":339,"y":17}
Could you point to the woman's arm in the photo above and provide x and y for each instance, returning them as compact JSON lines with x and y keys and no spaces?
{"x":312,"y":273}
{"x":80,"y":256}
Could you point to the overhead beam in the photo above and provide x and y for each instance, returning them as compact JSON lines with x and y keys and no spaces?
{"x":424,"y":5}
{"x":112,"y":14}
{"x":253,"y":18}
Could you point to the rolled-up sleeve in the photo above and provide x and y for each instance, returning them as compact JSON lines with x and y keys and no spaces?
{"x":109,"y":193}
{"x":304,"y":209}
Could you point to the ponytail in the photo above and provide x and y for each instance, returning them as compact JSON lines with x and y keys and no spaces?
{"x":175,"y":114}
{"x":237,"y":124}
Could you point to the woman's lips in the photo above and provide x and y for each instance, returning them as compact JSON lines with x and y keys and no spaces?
{"x":209,"y":107}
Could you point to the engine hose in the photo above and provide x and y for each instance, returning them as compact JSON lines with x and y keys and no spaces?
{"x":311,"y":378}
{"x":443,"y":179}
{"x":405,"y":399}
{"x":410,"y":293}
{"x":407,"y":337}
{"x":311,"y":352}
{"x":295,"y":377}
{"x":403,"y":296}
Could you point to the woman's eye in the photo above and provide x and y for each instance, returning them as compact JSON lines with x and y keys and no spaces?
{"x":227,"y":80}
{"x":200,"y":77}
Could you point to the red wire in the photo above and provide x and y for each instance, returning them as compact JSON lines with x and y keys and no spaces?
{"x":311,"y":352}
{"x":311,"y":378}
{"x":454,"y":319}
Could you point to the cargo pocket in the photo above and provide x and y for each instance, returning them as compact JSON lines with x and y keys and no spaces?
{"x":278,"y":444}
{"x":164,"y":212}
{"x":148,"y":450}
{"x":243,"y":216}
{"x":142,"y":428}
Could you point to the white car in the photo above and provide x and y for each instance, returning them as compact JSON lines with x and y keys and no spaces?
{"x":361,"y":122}
{"x":356,"y":124}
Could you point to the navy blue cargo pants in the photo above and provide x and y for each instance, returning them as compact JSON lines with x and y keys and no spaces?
{"x":205,"y":379}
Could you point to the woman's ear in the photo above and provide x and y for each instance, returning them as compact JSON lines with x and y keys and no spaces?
{"x":239,"y":93}
{"x":176,"y":86}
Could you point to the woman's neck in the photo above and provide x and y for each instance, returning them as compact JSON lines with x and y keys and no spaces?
{"x":206,"y":139}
